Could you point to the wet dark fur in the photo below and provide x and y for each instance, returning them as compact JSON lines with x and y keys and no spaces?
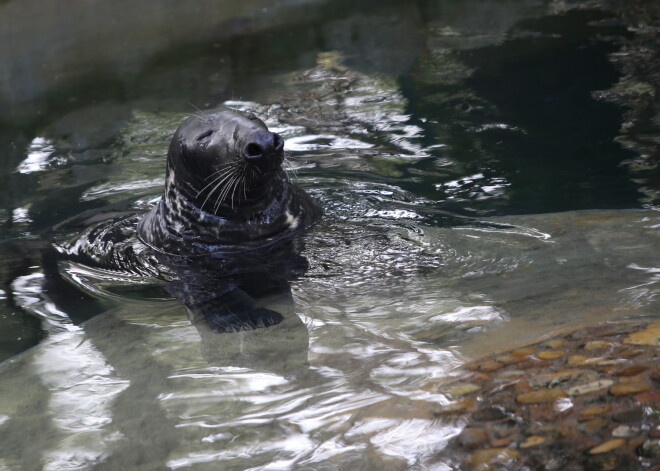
{"x":224,"y":234}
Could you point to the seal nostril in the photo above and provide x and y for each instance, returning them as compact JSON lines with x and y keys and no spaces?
{"x":278,"y":142}
{"x":253,"y":150}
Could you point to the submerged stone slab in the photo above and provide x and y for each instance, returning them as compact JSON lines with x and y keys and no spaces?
{"x":579,"y":410}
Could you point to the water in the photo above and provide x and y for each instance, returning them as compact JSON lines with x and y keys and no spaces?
{"x":474,"y":196}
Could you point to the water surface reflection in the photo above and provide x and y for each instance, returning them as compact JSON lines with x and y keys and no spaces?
{"x":470,"y":206}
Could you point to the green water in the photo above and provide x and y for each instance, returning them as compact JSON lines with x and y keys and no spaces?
{"x":479,"y":192}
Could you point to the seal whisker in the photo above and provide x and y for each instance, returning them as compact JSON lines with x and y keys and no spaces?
{"x":245,"y":181}
{"x":290,"y":169}
{"x":225,"y":192}
{"x":238,"y":182}
{"x":235,"y":185}
{"x":227,"y":188}
{"x":226,"y":172}
{"x":225,"y":178}
{"x":220,"y":169}
{"x":219,"y":177}
{"x":198,"y":116}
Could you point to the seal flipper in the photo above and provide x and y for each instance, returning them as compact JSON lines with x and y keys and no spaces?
{"x":236,"y":310}
{"x":245,"y":320}
{"x":229,"y":310}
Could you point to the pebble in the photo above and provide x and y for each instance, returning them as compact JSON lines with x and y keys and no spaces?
{"x":463,"y":389}
{"x":630,"y":371}
{"x":590,"y":387}
{"x":457,"y":407}
{"x":648,"y":336}
{"x":541,"y":395}
{"x":489,"y":414}
{"x":504,"y":429}
{"x":603,"y":462}
{"x":550,"y":354}
{"x":471,"y":438}
{"x":632,"y":379}
{"x":555,"y":343}
{"x":543,"y":413}
{"x":512,"y":374}
{"x":480,"y":377}
{"x":607,"y":446}
{"x":655,"y":432}
{"x":581,"y":360}
{"x":593,"y":426}
{"x":532,"y":441}
{"x":624,"y":431}
{"x":522,"y":386}
{"x":508,"y":359}
{"x":490,"y":365}
{"x":650,"y":448}
{"x":533,"y":363}
{"x":629,"y":352}
{"x":522,"y":352}
{"x":596,"y":410}
{"x":489,"y":456}
{"x":647,"y":397}
{"x":597,"y":345}
{"x":631,"y":414}
{"x":629,"y":388}
{"x":563,"y":377}
{"x":501,"y":442}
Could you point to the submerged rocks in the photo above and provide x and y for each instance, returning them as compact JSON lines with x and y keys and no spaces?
{"x":589,"y":400}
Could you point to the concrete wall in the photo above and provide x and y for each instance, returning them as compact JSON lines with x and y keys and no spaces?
{"x":49,"y":44}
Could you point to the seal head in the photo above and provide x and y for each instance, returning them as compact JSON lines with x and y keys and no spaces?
{"x":225,"y":189}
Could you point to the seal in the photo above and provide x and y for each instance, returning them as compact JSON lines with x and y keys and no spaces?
{"x":224,"y":234}
{"x":225,"y":189}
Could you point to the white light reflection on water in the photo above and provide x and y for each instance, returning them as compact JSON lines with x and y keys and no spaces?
{"x":414,"y":439}
{"x":28,"y":294}
{"x":114,"y":188}
{"x":392,"y":214}
{"x":21,"y":215}
{"x":38,"y":156}
{"x":82,"y":389}
{"x":317,"y":142}
{"x":485,"y":314}
{"x":648,"y":291}
{"x":514,"y":230}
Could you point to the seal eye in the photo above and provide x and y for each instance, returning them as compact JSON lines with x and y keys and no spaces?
{"x":204,"y":135}
{"x":251,"y":116}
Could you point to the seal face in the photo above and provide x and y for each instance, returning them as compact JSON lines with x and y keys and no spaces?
{"x":225,"y":189}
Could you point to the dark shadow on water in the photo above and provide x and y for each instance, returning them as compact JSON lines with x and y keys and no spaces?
{"x":526,"y":117}
{"x":224,"y":290}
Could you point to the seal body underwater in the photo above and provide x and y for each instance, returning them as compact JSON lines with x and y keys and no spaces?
{"x":224,"y":233}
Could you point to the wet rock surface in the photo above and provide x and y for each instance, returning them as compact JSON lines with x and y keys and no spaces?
{"x":587,"y":400}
